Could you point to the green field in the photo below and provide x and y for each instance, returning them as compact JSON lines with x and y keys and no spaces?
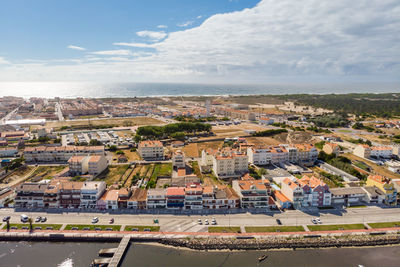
{"x":44,"y":226}
{"x":333,"y":227}
{"x":384,"y":224}
{"x":141,"y":228}
{"x":221,"y":229}
{"x":263,"y":229}
{"x":93,"y":226}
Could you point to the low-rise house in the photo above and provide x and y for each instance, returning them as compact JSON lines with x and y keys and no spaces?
{"x":151,"y":150}
{"x":374,"y":195}
{"x":266,"y":121}
{"x":348,"y":195}
{"x":386,"y":185}
{"x":331,"y":148}
{"x":6,"y":196}
{"x":111,"y":199}
{"x":366,"y":151}
{"x":138,"y":199}
{"x":156,"y":198}
{"x":123,"y":197}
{"x":393,"y":166}
{"x":282,"y":201}
{"x":92,"y":165}
{"x":59,"y":154}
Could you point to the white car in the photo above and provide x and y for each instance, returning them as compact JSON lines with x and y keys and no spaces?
{"x":95,"y":220}
{"x":206,"y":222}
{"x":318,"y":220}
{"x":314,"y":221}
{"x":199,"y":222}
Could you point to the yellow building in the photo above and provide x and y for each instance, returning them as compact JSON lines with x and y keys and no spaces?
{"x":385,"y":185}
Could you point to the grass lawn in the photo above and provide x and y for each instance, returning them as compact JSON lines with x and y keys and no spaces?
{"x":113,"y":174}
{"x":333,"y":227}
{"x":165,"y":170}
{"x":262,"y":229}
{"x":93,"y":226}
{"x":47,"y":172}
{"x":141,"y":228}
{"x":384,"y":224}
{"x":44,"y":225}
{"x":357,"y":207}
{"x":221,"y":229}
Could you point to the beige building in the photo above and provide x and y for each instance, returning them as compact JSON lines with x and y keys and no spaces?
{"x":59,"y":154}
{"x":93,"y":165}
{"x":331,"y":148}
{"x":178,"y":159}
{"x":365,"y":151}
{"x":226,"y":163}
{"x":151,"y":150}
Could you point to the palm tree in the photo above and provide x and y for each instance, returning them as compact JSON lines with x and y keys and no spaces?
{"x":30,"y":224}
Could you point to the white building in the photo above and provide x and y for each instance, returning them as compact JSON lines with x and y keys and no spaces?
{"x":8,"y":152}
{"x":365,"y":151}
{"x":156,"y":198}
{"x":393,"y":166}
{"x":266,"y":121}
{"x":151,"y":150}
{"x":59,"y":154}
{"x":91,"y":191}
{"x":178,"y":159}
{"x":252,"y":193}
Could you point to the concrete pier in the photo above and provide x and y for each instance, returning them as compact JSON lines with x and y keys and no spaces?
{"x":123,"y":245}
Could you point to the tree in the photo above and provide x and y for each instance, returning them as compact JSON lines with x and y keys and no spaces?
{"x":95,"y":142}
{"x":30,"y":224}
{"x":113,"y":148}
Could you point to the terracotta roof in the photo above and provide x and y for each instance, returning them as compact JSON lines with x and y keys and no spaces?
{"x":150,"y":144}
{"x":110,"y":195}
{"x":252,"y":184}
{"x":175,"y":191}
{"x":281,"y":197}
{"x":379,"y":178}
{"x":312,"y":181}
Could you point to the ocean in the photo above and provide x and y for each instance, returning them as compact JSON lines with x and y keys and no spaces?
{"x":104,"y":90}
{"x":44,"y":254}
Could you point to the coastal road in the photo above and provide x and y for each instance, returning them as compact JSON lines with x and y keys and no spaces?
{"x":186,"y":223}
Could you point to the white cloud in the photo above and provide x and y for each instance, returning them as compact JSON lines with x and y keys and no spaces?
{"x":162,"y":26}
{"x":185,"y":24}
{"x":120,"y":52}
{"x":139,"y":45}
{"x":3,"y":61}
{"x":199,"y":17}
{"x":76,"y":47}
{"x":152,"y":34}
{"x":285,"y":40}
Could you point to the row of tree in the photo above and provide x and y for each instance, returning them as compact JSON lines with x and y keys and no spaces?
{"x":172,"y":129}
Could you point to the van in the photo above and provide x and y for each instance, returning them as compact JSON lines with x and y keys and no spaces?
{"x":24,"y":218}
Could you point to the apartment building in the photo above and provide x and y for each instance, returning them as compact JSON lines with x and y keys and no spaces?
{"x":51,"y":195}
{"x":331,"y":148}
{"x":178,"y":159}
{"x":138,"y":199}
{"x":156,"y":198}
{"x":365,"y":151}
{"x":91,"y":191}
{"x":259,"y":155}
{"x":151,"y":150}
{"x":236,"y":114}
{"x":306,"y":154}
{"x":69,"y":194}
{"x":293,"y":191}
{"x":386,"y":185}
{"x":252,"y":193}
{"x":266,"y":120}
{"x":348,"y":195}
{"x":175,"y":197}
{"x":316,"y":192}
{"x":30,"y":195}
{"x":8,"y":152}
{"x":220,"y":198}
{"x":59,"y":154}
{"x":193,"y":197}
{"x":226,"y":163}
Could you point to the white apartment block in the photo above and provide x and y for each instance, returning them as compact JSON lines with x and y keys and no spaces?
{"x":91,"y":191}
{"x":252,"y":193}
{"x":93,"y":165}
{"x":365,"y":151}
{"x":194,"y":197}
{"x":305,"y":154}
{"x":151,"y":150}
{"x":156,"y":198}
{"x":59,"y":154}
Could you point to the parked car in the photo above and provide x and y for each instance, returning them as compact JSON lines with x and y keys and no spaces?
{"x":111,"y":220}
{"x":6,"y":218}
{"x":278,"y":222}
{"x":24,"y":218}
{"x":44,"y":219}
{"x":38,"y":219}
{"x":314,"y":221}
{"x":199,"y":222}
{"x":214,"y":222}
{"x":206,"y":222}
{"x":318,"y":220}
{"x":95,"y":220}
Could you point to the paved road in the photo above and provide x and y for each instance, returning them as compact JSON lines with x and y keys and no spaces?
{"x":59,"y":112}
{"x":8,"y":116}
{"x":185,"y":223}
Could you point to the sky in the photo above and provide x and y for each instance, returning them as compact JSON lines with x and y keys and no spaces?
{"x":208,"y":41}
